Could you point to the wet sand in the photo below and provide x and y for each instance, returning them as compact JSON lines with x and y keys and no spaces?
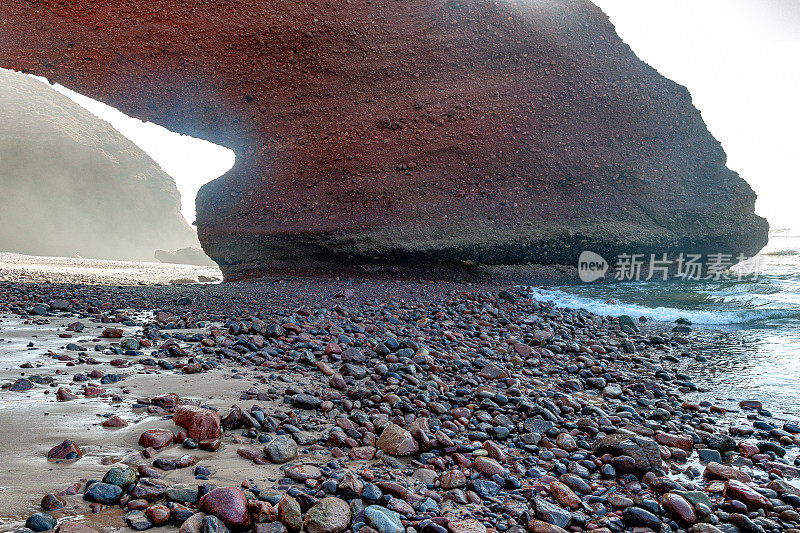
{"x":33,"y":421}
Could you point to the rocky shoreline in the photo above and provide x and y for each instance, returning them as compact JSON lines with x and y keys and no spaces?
{"x":374,"y":407}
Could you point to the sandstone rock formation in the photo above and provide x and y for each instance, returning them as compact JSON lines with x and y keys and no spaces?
{"x":385,"y":134}
{"x":70,"y":183}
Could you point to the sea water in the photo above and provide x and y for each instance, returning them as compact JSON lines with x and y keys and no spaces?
{"x":748,"y":330}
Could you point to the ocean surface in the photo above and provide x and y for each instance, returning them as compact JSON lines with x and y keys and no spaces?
{"x":748,"y":329}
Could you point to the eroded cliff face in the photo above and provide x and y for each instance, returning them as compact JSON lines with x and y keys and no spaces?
{"x":373,"y":135}
{"x":71,"y":184}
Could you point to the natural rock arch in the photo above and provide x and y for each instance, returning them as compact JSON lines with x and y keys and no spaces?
{"x":372,"y":134}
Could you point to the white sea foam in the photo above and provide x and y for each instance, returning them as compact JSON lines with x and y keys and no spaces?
{"x":561,"y":298}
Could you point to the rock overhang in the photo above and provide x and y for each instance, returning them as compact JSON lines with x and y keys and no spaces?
{"x":377,"y":136}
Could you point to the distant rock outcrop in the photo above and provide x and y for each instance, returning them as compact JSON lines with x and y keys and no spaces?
{"x":185,"y":256}
{"x":377,"y":135}
{"x":72,"y":184}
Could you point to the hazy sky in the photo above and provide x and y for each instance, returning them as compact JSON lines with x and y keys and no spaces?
{"x":739,"y":58}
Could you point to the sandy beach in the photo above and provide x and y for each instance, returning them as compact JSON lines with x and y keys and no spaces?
{"x":31,"y":268}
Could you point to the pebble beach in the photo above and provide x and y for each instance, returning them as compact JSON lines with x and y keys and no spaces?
{"x":372,"y":406}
